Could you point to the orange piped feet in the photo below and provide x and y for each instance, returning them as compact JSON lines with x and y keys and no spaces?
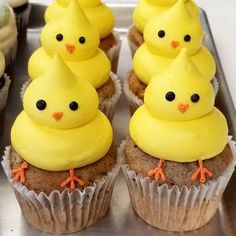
{"x":72,"y":180}
{"x":20,"y":172}
{"x":201,"y":172}
{"x":158,"y":172}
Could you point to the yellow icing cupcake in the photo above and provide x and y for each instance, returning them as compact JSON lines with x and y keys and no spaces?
{"x":98,"y":14}
{"x":65,"y":129}
{"x":165,"y":37}
{"x":75,"y":39}
{"x":148,"y":9}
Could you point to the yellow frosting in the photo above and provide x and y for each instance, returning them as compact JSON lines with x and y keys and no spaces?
{"x":155,"y":55}
{"x":57,"y":137}
{"x":180,"y":128}
{"x":84,"y":59}
{"x":98,"y":14}
{"x":147,"y":9}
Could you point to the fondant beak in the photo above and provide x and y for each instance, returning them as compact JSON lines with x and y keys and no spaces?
{"x":174,"y":44}
{"x":57,"y":115}
{"x":183,"y":107}
{"x":70,"y":48}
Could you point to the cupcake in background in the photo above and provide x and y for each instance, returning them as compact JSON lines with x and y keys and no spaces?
{"x":101,"y":17}
{"x":8,"y":34}
{"x":63,"y":166}
{"x":4,"y":88}
{"x":165,"y":37}
{"x":22,"y":10}
{"x":76,"y":40}
{"x":178,"y":159}
{"x":148,"y":9}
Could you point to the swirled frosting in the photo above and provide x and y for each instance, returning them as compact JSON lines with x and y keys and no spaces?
{"x":8,"y":30}
{"x":98,"y":14}
{"x":165,"y":37}
{"x":75,"y":39}
{"x":17,"y":3}
{"x":148,"y":9}
{"x":61,"y":127}
{"x":178,"y":121}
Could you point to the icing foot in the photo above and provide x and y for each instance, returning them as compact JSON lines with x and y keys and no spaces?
{"x":158,"y":172}
{"x":20,"y":172}
{"x":201,"y":172}
{"x":72,"y":180}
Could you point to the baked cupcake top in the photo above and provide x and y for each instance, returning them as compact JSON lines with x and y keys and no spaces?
{"x":178,"y":121}
{"x":76,"y":40}
{"x":98,"y":14}
{"x":61,"y":127}
{"x":165,"y":37}
{"x":147,"y":9}
{"x":2,"y":64}
{"x":17,"y":3}
{"x":8,"y":30}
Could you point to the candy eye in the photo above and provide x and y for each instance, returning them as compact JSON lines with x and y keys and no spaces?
{"x":41,"y":104}
{"x":170,"y":96}
{"x":73,"y":106}
{"x":187,"y":38}
{"x":161,"y":34}
{"x":82,"y":40}
{"x":59,"y":37}
{"x":195,"y":98}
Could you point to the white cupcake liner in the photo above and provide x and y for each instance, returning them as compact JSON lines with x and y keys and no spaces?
{"x":108,"y":106}
{"x":64,"y":212}
{"x":22,"y":19}
{"x":134,"y":102}
{"x":175,"y":208}
{"x":4,"y":92}
{"x":133,"y":47}
{"x":114,"y":52}
{"x":10,"y":56}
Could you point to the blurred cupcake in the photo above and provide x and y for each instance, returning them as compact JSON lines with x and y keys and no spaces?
{"x":8,"y":34}
{"x":148,"y":9}
{"x":22,"y":10}
{"x":179,"y":159}
{"x":165,"y":37}
{"x":63,"y":166}
{"x":101,"y":17}
{"x":4,"y":88}
{"x":76,"y":40}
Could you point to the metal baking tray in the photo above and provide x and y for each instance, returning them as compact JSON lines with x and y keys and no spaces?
{"x":121,"y":219}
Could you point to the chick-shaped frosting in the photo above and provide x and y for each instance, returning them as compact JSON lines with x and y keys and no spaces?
{"x":75,"y":39}
{"x":98,"y":14}
{"x":147,"y":9}
{"x":61,"y":127}
{"x":178,"y":121}
{"x":165,"y":37}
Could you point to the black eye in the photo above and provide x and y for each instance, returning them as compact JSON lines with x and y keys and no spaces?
{"x":161,"y":34}
{"x":195,"y":98}
{"x":82,"y":40}
{"x":41,"y":104}
{"x":59,"y":37}
{"x":73,"y":106}
{"x":170,"y":96}
{"x":187,"y":38}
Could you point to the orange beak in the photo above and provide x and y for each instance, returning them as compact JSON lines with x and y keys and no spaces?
{"x":57,"y":115}
{"x":174,"y":44}
{"x":70,"y":48}
{"x":183,"y":107}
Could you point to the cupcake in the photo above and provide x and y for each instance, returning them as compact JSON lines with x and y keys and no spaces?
{"x":8,"y":34}
{"x":178,"y":159}
{"x":63,"y":166}
{"x":76,"y":40}
{"x":101,"y":17}
{"x":165,"y":37}
{"x":148,"y":9}
{"x":4,"y":88}
{"x":22,"y":10}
